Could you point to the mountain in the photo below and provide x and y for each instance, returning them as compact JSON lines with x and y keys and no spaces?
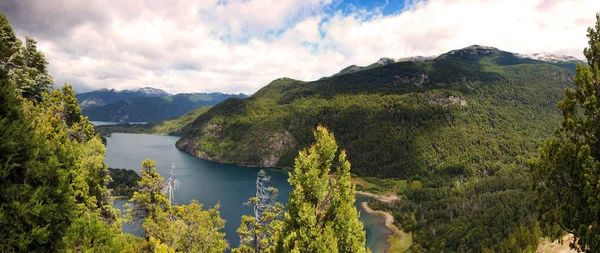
{"x":390,"y":116}
{"x":458,"y":128}
{"x":565,"y":61}
{"x":137,"y":109}
{"x":164,"y":127}
{"x":106,"y":96}
{"x":382,"y":62}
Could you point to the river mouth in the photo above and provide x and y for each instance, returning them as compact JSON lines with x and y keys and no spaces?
{"x":211,"y":183}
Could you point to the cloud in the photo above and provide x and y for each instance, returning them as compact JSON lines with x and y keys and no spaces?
{"x":241,"y":45}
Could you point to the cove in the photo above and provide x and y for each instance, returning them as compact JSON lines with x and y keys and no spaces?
{"x":212,"y":183}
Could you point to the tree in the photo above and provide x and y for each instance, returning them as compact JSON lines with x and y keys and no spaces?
{"x":320,"y":213}
{"x":149,"y":199}
{"x":567,"y":171}
{"x":185,"y":228}
{"x":256,"y":231}
{"x":9,"y":43}
{"x":36,"y":204}
{"x":172,"y":185}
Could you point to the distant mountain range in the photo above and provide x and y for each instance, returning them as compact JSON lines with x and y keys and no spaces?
{"x":103,"y":97}
{"x":144,"y":104}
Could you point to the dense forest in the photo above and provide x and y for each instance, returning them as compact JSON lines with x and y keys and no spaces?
{"x":457,"y":138}
{"x":55,"y":196}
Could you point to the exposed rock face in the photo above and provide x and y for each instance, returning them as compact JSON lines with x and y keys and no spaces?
{"x":417,"y":80}
{"x":279,"y":144}
{"x":186,"y":144}
{"x":266,"y":154}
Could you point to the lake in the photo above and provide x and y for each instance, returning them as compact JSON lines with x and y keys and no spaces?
{"x":101,"y":123}
{"x":211,"y":183}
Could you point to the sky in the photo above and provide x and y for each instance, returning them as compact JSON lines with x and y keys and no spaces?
{"x":237,"y":46}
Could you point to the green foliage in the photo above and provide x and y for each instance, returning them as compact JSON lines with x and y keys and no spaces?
{"x":185,"y":228}
{"x":320,"y":214}
{"x":149,"y":198}
{"x":567,"y":171}
{"x":35,"y":198}
{"x":9,"y":43}
{"x":27,"y":68}
{"x":461,"y":125}
{"x":53,"y":196}
{"x":257,"y":232}
{"x":124,"y":182}
{"x":389,"y":125}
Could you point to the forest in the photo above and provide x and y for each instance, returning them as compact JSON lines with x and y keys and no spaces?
{"x":484,"y":158}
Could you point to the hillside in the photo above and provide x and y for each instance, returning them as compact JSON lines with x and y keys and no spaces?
{"x":164,"y":127}
{"x":457,"y":129}
{"x":105,"y":96}
{"x":154,"y":108}
{"x":411,"y":118}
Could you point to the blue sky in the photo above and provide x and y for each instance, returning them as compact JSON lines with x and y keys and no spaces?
{"x":242,"y":45}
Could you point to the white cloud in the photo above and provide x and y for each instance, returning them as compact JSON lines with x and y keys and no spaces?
{"x":240,"y":46}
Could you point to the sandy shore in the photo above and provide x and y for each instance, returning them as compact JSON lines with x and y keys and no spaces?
{"x":382,"y":198}
{"x":388,"y":218}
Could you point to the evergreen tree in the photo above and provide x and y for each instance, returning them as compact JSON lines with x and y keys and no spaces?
{"x":567,"y":172}
{"x":257,"y":231}
{"x":149,"y":199}
{"x":185,"y":228}
{"x":36,"y":206}
{"x":320,"y":213}
{"x":9,"y":43}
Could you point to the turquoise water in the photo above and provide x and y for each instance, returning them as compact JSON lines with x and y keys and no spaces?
{"x":210,"y":183}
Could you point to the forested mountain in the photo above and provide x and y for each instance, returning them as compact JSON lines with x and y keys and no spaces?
{"x":167,"y":127}
{"x":463,"y":124}
{"x":138,"y":109}
{"x":103,"y":97}
{"x":460,"y":110}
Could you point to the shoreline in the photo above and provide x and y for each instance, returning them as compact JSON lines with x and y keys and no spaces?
{"x":388,"y":223}
{"x":388,"y":218}
{"x":382,"y":198}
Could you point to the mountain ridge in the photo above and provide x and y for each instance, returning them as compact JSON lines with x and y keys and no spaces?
{"x":460,"y":128}
{"x":473,"y":49}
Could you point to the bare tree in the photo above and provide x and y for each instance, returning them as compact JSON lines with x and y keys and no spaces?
{"x":255,"y":231}
{"x":171,"y":185}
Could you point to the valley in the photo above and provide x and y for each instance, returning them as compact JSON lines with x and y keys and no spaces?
{"x":126,"y":127}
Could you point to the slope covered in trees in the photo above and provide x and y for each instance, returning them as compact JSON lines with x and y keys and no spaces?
{"x":454,"y":114}
{"x":145,"y":109}
{"x":463,"y":124}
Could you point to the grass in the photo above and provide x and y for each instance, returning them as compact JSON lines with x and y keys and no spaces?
{"x":400,"y":242}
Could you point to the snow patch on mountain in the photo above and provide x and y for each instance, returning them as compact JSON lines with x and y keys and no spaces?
{"x":547,"y":57}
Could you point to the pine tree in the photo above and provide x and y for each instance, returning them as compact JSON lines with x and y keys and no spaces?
{"x":320,"y":213}
{"x":36,"y":207}
{"x":149,"y":199}
{"x":9,"y":43}
{"x":185,"y":228}
{"x":567,"y":172}
{"x":257,"y":231}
